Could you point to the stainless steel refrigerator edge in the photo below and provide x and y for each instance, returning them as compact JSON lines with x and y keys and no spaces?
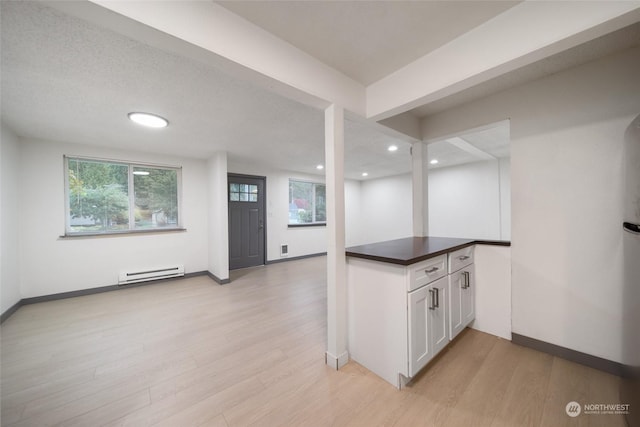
{"x":630,"y":385}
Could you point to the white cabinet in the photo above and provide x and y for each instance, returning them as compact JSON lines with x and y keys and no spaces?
{"x":461,"y":290}
{"x":428,"y":323}
{"x":398,"y":316}
{"x":427,"y":271}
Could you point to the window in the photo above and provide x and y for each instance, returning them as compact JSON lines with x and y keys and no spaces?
{"x":110,"y":197}
{"x":307,"y":203}
{"x":243,"y":192}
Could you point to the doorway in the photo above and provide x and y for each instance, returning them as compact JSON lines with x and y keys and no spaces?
{"x":246,"y":195}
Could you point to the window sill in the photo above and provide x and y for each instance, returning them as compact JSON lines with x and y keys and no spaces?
{"x":317,"y":224}
{"x":122,"y":233}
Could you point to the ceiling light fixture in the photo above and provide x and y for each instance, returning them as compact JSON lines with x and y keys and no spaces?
{"x":149,"y":120}
{"x":319,"y":167}
{"x":393,"y":148}
{"x":434,"y":162}
{"x":365,"y":174}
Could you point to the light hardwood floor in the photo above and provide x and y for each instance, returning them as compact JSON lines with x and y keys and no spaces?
{"x":191,"y":352}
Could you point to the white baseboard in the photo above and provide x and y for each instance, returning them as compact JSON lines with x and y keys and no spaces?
{"x":336,"y":362}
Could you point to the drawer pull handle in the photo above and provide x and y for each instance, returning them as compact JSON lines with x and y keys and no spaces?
{"x":437,"y":291}
{"x":466,"y":282}
{"x":433,"y":302}
{"x":463,"y":257}
{"x":432,"y":270}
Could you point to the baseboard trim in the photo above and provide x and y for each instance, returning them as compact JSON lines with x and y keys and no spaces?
{"x":73,"y":294}
{"x":216,"y":279}
{"x":336,"y":362}
{"x":595,"y":362}
{"x":98,"y":290}
{"x":295,"y":258}
{"x":9,"y":311}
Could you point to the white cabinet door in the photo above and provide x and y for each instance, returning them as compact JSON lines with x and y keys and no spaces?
{"x":428,"y":323}
{"x":462,"y":289}
{"x":456,"y":282}
{"x":420,"y":302}
{"x":439,"y":315}
{"x":469,"y":296}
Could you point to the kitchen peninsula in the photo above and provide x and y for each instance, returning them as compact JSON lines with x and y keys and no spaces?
{"x":407,"y":299}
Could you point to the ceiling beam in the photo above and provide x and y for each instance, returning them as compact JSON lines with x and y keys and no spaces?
{"x":465,"y":146}
{"x":523,"y":34}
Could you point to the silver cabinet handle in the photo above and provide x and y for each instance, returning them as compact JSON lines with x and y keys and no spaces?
{"x":463,"y":257}
{"x":466,"y":279}
{"x":437,"y":291}
{"x":433,"y":304}
{"x":432,"y":270}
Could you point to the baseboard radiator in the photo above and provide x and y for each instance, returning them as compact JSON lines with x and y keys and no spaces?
{"x":129,"y":277}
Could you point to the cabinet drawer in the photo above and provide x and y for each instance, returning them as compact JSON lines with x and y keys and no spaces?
{"x":427,"y":271}
{"x":460,"y":258}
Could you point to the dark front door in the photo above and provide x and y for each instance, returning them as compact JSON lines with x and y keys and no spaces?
{"x":246,"y":221}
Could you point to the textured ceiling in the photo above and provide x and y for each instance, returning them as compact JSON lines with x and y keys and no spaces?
{"x":367,"y":40}
{"x":64,"y":79}
{"x":67,"y":80}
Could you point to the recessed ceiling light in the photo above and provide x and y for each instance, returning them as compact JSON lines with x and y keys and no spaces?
{"x":393,"y":148}
{"x":365,"y":174}
{"x":149,"y":120}
{"x":434,"y":162}
{"x":319,"y":167}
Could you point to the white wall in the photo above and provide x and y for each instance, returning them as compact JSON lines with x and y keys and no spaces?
{"x":9,"y":219}
{"x":385,"y":209}
{"x":385,"y":204}
{"x":505,"y":198}
{"x":493,"y":290}
{"x":465,"y":201}
{"x":354,"y":221}
{"x":566,"y":154}
{"x":50,"y":264}
{"x":301,"y":240}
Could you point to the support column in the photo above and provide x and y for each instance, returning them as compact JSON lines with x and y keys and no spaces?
{"x":218,"y":218}
{"x":420,"y":189}
{"x":336,"y":355}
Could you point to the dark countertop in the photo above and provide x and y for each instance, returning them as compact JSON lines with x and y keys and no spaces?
{"x":414,"y":249}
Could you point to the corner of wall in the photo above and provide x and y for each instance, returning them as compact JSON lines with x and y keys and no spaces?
{"x":9,"y":218}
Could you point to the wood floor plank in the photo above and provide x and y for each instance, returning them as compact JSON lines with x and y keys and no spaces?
{"x":527,"y":390}
{"x":483,"y":398}
{"x":191,"y":352}
{"x":212,"y":406}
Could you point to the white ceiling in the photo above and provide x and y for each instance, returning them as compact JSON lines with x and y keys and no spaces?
{"x":65,"y":79}
{"x":367,"y":40}
{"x":619,"y":40}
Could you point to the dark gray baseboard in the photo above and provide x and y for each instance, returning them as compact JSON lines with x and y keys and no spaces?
{"x":595,"y":362}
{"x":295,"y":258}
{"x":216,"y":279}
{"x":9,"y":311}
{"x":71,"y":294}
{"x":99,"y":290}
